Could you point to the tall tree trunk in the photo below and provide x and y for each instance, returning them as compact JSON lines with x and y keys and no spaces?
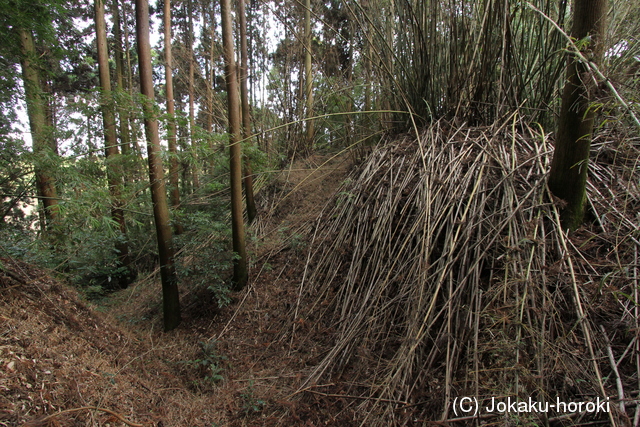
{"x":369,"y":125}
{"x":41,"y":134}
{"x":246,"y":112}
{"x":183,"y":146}
{"x":114,"y":169}
{"x":123,"y":111}
{"x":385,"y":102}
{"x":192,"y":96}
{"x":50,"y":111}
{"x":133,"y":126}
{"x":240,"y":274}
{"x":348,"y":118}
{"x":568,"y":176}
{"x":174,"y":185}
{"x":209,"y":18}
{"x":170,"y":296}
{"x":310,"y":130}
{"x":208,"y":102}
{"x":264,"y":138}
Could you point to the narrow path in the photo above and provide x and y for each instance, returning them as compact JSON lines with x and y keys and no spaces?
{"x":301,"y":193}
{"x":265,"y":366}
{"x":236,"y":366}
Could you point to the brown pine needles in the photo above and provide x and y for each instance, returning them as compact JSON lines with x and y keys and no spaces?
{"x":443,"y":270}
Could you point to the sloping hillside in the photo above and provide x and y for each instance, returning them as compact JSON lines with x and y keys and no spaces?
{"x":57,"y":355}
{"x":224,"y":367}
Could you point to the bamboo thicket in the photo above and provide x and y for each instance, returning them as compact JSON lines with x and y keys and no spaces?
{"x":443,"y":271}
{"x":476,"y":61}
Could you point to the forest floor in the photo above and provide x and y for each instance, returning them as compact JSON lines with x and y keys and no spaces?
{"x":235,"y":366}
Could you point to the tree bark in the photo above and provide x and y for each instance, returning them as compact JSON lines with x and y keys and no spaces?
{"x":123,"y":112}
{"x":240,"y":274}
{"x":208,"y":16}
{"x":132,"y":124}
{"x":246,"y":111}
{"x":568,"y":176}
{"x":170,"y":296}
{"x":114,"y":169}
{"x":41,"y":134}
{"x":192,"y":120}
{"x":310,"y":130}
{"x":174,"y":185}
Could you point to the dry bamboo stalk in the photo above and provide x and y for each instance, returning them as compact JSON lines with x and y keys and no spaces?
{"x":579,"y":309}
{"x":430,"y":224}
{"x":636,"y":417}
{"x":614,"y":367}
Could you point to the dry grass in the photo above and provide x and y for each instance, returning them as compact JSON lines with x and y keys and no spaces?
{"x":60,"y":361}
{"x":444,"y":273}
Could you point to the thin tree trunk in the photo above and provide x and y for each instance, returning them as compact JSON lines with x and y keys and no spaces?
{"x":192,"y":119}
{"x":209,"y":94}
{"x":114,"y":170}
{"x":568,"y":176}
{"x":349,"y":128}
{"x":174,"y":185}
{"x":170,"y":296}
{"x":385,"y":102}
{"x":123,"y":111}
{"x":369,"y":124}
{"x":246,"y":112}
{"x":308,"y":77}
{"x":183,"y":146}
{"x":41,"y":134}
{"x":240,"y":274}
{"x":209,"y":18}
{"x":264,"y":138}
{"x":133,"y":126}
{"x":212,"y":69}
{"x":50,"y":113}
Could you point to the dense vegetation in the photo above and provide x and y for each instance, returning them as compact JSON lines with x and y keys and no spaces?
{"x":126,"y":150}
{"x":372,"y":63}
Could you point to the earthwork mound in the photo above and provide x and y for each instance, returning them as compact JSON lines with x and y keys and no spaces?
{"x":444,"y":273}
